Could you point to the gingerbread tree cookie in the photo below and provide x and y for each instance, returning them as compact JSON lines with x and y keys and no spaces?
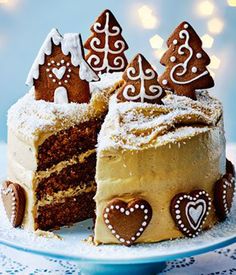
{"x":141,"y":84}
{"x":60,"y":73}
{"x":186,"y":63}
{"x":106,"y":45}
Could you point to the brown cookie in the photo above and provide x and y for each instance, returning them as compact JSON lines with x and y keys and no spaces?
{"x":141,"y":84}
{"x":60,"y":73}
{"x":224,"y":191}
{"x":230,"y":168}
{"x":106,"y":46}
{"x":127,"y":221}
{"x":186,"y":63}
{"x":13,"y":197}
{"x":189,"y":211}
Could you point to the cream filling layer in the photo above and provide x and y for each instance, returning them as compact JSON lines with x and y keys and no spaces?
{"x":61,"y":165}
{"x":70,"y":192}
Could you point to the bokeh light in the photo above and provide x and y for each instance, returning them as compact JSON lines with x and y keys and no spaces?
{"x":156,"y":41}
{"x":11,"y":5}
{"x":215,"y":62}
{"x":232,"y":3}
{"x":212,"y":73}
{"x":215,"y":25}
{"x":207,"y":41}
{"x":205,"y":8}
{"x":159,"y":53}
{"x":148,"y":19}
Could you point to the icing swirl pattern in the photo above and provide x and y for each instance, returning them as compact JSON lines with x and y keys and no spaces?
{"x":136,"y":126}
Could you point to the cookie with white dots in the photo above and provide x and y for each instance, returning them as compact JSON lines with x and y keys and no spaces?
{"x":190,"y":211}
{"x":186,"y":63}
{"x":127,"y":221}
{"x":13,"y":197}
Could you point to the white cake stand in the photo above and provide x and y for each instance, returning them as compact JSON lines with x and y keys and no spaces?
{"x":113,"y":259}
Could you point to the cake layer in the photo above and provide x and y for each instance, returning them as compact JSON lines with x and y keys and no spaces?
{"x":71,"y":176}
{"x":68,"y":211}
{"x":67,"y":143}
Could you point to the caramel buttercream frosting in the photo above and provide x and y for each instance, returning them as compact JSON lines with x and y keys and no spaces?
{"x":154,"y":152}
{"x":132,"y":125}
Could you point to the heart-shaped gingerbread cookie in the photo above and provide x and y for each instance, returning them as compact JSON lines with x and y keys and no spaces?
{"x":223,"y":196}
{"x":13,"y":197}
{"x":127,"y":221}
{"x":190,"y":211}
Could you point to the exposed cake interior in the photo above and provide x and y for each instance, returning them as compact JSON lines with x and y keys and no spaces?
{"x":51,"y":153}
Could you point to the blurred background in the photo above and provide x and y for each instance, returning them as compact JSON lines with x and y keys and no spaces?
{"x":146,"y":24}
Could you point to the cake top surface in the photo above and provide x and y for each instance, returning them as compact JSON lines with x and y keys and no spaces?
{"x":29,"y":117}
{"x":134,"y":126}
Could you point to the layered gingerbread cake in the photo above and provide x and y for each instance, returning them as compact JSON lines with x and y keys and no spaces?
{"x":99,"y":138}
{"x":52,"y":132}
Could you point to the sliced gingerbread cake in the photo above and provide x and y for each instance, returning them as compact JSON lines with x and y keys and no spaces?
{"x":52,"y":134}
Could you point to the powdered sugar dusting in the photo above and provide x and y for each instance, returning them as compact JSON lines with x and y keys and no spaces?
{"x":29,"y":117}
{"x":132,"y":125}
{"x":107,"y":80}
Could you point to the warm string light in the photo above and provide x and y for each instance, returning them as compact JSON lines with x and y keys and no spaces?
{"x":11,"y":4}
{"x":215,"y":62}
{"x":159,"y":53}
{"x":215,"y":25}
{"x":207,"y":41}
{"x":212,"y":73}
{"x":205,"y":8}
{"x":148,"y":19}
{"x":232,"y":3}
{"x":156,"y":41}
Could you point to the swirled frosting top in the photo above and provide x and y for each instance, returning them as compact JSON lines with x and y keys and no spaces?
{"x":134,"y":126}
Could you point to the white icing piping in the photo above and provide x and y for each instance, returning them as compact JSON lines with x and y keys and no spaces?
{"x":70,"y":44}
{"x":226,"y":185}
{"x":127,"y":213}
{"x":119,"y":62}
{"x":200,"y":224}
{"x":185,"y":34}
{"x":149,"y":74}
{"x":195,"y":214}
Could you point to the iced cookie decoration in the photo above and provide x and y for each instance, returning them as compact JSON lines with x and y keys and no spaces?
{"x":106,"y":45}
{"x":224,"y":192}
{"x":189,"y":211}
{"x":141,"y":84}
{"x":60,"y":73}
{"x":186,"y":63}
{"x":13,"y":197}
{"x":127,"y":221}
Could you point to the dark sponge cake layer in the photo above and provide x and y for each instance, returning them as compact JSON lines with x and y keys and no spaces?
{"x":72,"y":176}
{"x":69,"y":211}
{"x":67,"y":143}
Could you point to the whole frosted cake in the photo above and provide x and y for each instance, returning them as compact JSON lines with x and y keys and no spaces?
{"x":158,"y":168}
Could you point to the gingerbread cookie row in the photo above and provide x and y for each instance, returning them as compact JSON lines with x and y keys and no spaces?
{"x":128,"y":221}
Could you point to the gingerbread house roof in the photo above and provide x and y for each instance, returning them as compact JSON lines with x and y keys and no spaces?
{"x":71,"y":43}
